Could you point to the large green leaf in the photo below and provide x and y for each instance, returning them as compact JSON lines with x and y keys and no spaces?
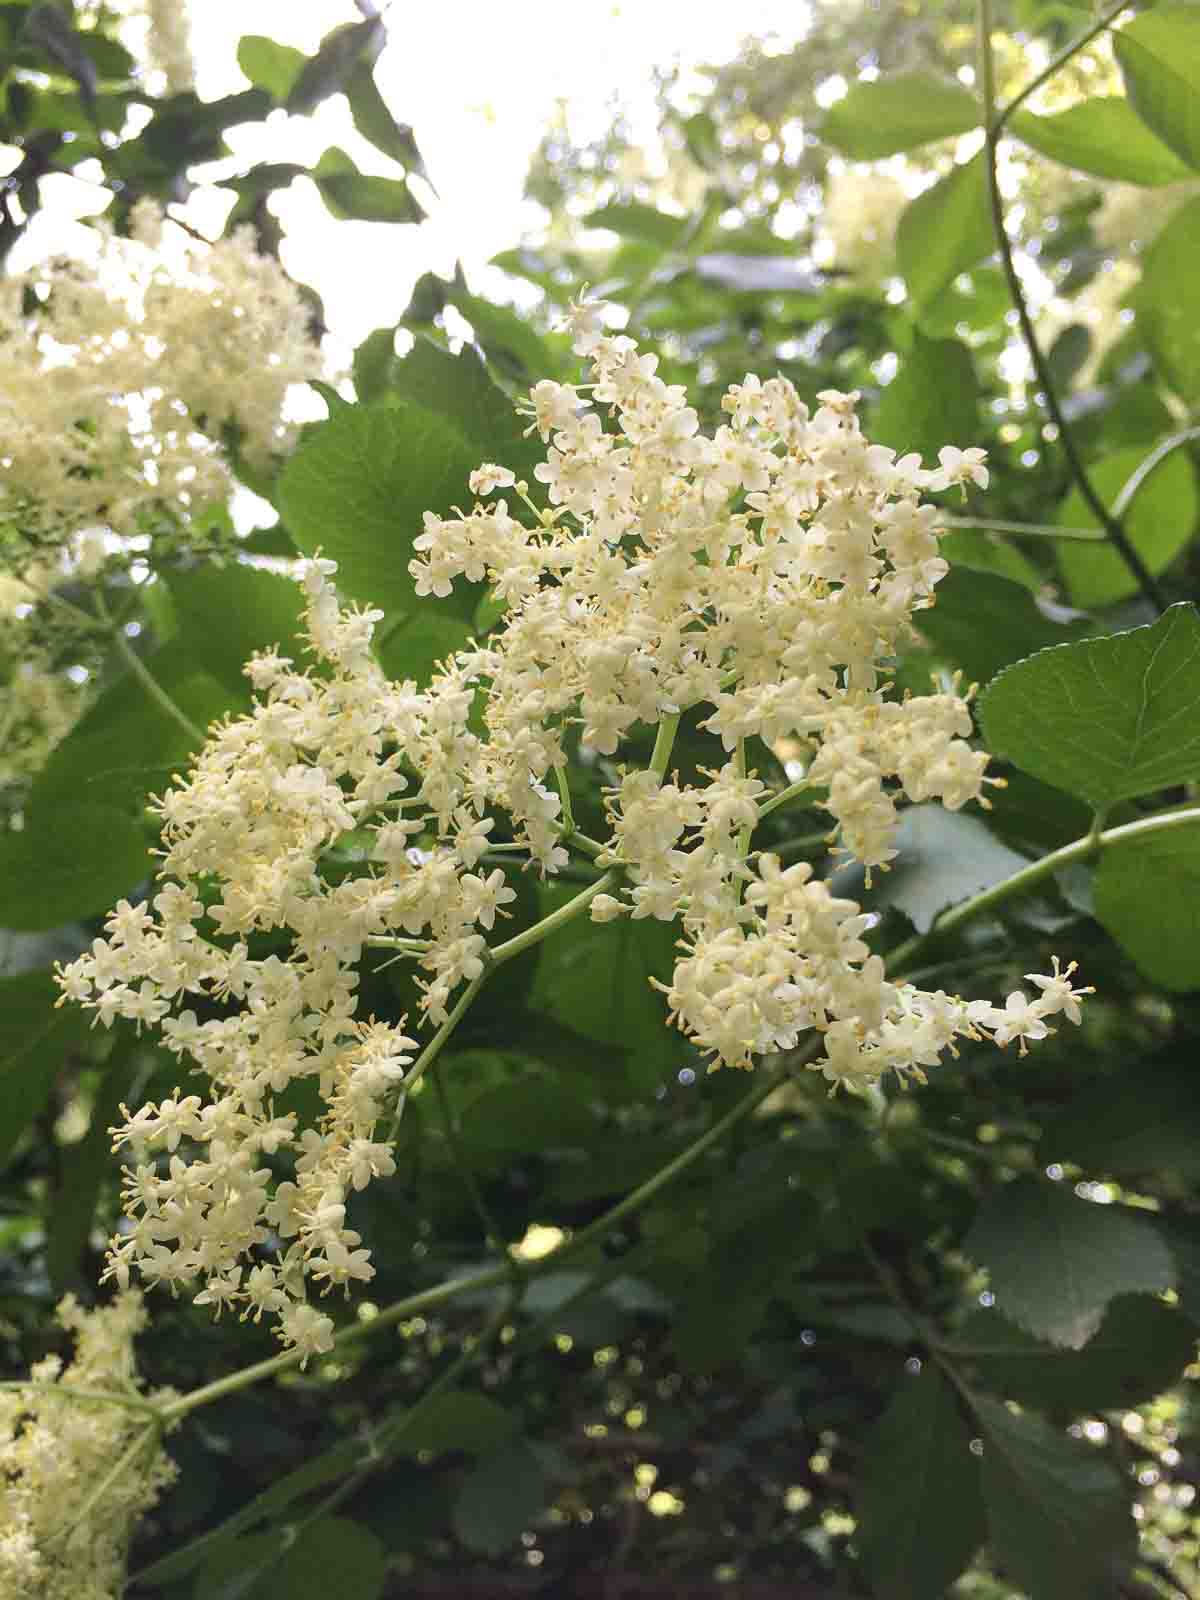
{"x":458,"y":1419}
{"x":982,"y":623}
{"x":944,"y":857}
{"x":1159,"y":54}
{"x":1102,"y":135}
{"x":360,"y":196}
{"x":75,"y":862}
{"x":1057,"y":1512}
{"x":1159,"y":523}
{"x":225,"y":614}
{"x":1147,"y":894}
{"x":1106,"y":719}
{"x":374,"y":120}
{"x":898,"y":111}
{"x":270,"y":65}
{"x":595,"y":979}
{"x":1138,"y":1352}
{"x":83,"y":1168}
{"x":920,"y":1513}
{"x":633,"y":220}
{"x":340,"y":52}
{"x":357,"y":489}
{"x":36,"y":1036}
{"x":499,"y":1498}
{"x":459,"y":389}
{"x":944,"y":231}
{"x":1055,"y":1261}
{"x":1168,"y":302}
{"x":127,"y":746}
{"x":522,"y":1118}
{"x":331,"y":1556}
{"x":1132,"y":1123}
{"x":932,"y":400}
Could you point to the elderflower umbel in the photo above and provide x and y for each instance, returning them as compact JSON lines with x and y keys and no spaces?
{"x":59,"y":1538}
{"x":765,"y":575}
{"x":121,"y":381}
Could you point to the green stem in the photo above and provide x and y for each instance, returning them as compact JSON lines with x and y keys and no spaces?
{"x":151,"y":1431}
{"x":1145,"y":469}
{"x":66,"y":1391}
{"x":1036,"y":872}
{"x":1111,"y":525}
{"x":492,"y":1234}
{"x":1039,"y":530}
{"x":147,"y":679}
{"x":1060,"y":60}
{"x":490,"y":1277}
{"x":782,"y":798}
{"x":434,"y":1048}
{"x":664,"y":743}
{"x":557,"y":919}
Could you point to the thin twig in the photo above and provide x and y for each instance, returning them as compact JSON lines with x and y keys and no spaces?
{"x":1114,"y":531}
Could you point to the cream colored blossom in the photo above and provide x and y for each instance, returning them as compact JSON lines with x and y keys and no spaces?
{"x":859,"y":216}
{"x":764,"y":576}
{"x":121,"y":384}
{"x":66,"y":1516}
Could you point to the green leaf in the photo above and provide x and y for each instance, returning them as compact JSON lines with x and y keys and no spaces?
{"x":944,"y":857}
{"x":1159,"y":55}
{"x":643,"y":223}
{"x":983,"y":623}
{"x":326,"y":72}
{"x":362,"y":197}
{"x":356,"y":489}
{"x":898,"y":111}
{"x":49,"y":25}
{"x":944,"y":231}
{"x":35,"y":1039}
{"x":522,"y":1118}
{"x":506,"y":337}
{"x":375,"y":122}
{"x":458,"y":1419}
{"x":1058,"y":1515}
{"x":420,"y":643}
{"x":74,"y":863}
{"x":499,"y":1498}
{"x":1055,"y":1261}
{"x":1168,"y":302}
{"x":1182,"y":1235}
{"x":1160,"y":523}
{"x":270,"y":65}
{"x":920,"y":1514}
{"x":331,"y":1556}
{"x":1102,"y":135}
{"x":932,"y":400}
{"x":1131,"y":1125}
{"x":595,"y":978}
{"x":232,"y":1570}
{"x":1147,"y":895}
{"x":374,"y":362}
{"x":83,"y":1168}
{"x":1138,"y":1352}
{"x":981,"y":550}
{"x":1106,"y":719}
{"x":225,"y":614}
{"x":459,"y":389}
{"x":127,"y":746}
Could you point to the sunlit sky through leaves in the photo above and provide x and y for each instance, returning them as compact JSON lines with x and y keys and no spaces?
{"x":480,"y":82}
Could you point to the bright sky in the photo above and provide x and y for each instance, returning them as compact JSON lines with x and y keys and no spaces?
{"x":479,"y":81}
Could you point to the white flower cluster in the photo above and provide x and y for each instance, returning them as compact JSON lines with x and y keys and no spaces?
{"x":120,"y":376}
{"x":59,"y":1539}
{"x":860,"y":213}
{"x":766,"y":573}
